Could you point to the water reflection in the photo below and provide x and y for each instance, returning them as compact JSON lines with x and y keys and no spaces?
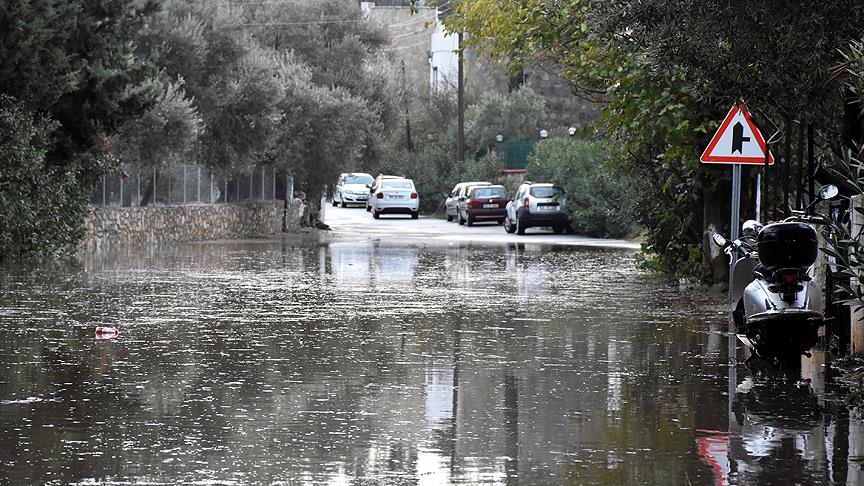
{"x":375,"y":362}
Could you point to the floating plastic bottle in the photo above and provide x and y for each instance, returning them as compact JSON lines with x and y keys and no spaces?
{"x":106,"y":332}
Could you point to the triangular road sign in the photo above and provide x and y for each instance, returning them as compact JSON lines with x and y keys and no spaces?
{"x":737,"y":141}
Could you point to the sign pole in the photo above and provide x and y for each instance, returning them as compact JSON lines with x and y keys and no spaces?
{"x":731,"y":344}
{"x":736,"y":201}
{"x":758,"y":196}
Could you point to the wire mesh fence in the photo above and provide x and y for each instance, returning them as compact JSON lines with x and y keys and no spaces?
{"x":188,"y":184}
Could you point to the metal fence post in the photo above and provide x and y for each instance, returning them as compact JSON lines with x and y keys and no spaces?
{"x":184,"y":183}
{"x":263,"y":180}
{"x":103,"y":191}
{"x":289,"y":188}
{"x":251,"y":181}
{"x":198,"y":199}
{"x":138,"y":185}
{"x":225,"y":192}
{"x":210,"y":199}
{"x":121,"y":191}
{"x":154,"y":186}
{"x":273,"y":176}
{"x":169,"y":188}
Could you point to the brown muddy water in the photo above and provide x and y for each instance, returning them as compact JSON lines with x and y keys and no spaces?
{"x":363,"y":362}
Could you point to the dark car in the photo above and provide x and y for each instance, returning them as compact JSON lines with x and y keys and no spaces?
{"x":451,"y":205}
{"x":483,"y":203}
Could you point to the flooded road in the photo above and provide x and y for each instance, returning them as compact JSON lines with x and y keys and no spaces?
{"x":368,"y":361}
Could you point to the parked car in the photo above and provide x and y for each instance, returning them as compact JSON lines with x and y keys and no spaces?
{"x":451,"y":205}
{"x":395,"y":196}
{"x":352,"y":188}
{"x":536,"y":205}
{"x":483,"y":203}
{"x":374,"y":187}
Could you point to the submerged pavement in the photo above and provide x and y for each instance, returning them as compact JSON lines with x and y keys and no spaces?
{"x":395,"y":353}
{"x":354,"y":221}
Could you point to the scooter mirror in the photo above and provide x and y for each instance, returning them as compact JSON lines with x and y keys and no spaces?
{"x":751,"y":228}
{"x":828,"y":191}
{"x":719,"y":240}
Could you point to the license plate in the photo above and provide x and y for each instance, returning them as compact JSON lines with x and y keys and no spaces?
{"x":397,"y":197}
{"x":547,"y":208}
{"x":490,"y":205}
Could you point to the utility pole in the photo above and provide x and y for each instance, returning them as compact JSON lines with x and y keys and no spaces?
{"x":407,"y":117}
{"x":460,"y":108}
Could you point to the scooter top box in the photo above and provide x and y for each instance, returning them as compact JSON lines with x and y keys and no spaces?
{"x":787,"y":245}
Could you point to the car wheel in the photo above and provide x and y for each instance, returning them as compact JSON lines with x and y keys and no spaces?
{"x":415,"y":214}
{"x":469,"y":220}
{"x":449,"y":218}
{"x":508,"y":226}
{"x":375,"y":214}
{"x":335,"y":204}
{"x":461,"y":221}
{"x":368,"y":208}
{"x":500,"y":222}
{"x":520,"y":226}
{"x":558,"y":229}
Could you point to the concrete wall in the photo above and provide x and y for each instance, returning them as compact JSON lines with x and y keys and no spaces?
{"x":105,"y":227}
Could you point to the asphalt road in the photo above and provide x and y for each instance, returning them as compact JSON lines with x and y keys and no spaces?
{"x":355,"y":221}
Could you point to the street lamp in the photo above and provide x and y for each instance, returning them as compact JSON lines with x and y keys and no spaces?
{"x":571,"y":131}
{"x":543,"y":134}
{"x":499,"y":138}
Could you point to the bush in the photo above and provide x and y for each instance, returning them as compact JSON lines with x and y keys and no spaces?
{"x":599,"y":201}
{"x":42,"y":207}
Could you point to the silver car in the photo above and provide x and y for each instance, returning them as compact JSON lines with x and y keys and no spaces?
{"x":395,"y":196}
{"x":352,"y":188}
{"x":537,"y":205}
{"x":451,"y":205}
{"x":374,"y":187}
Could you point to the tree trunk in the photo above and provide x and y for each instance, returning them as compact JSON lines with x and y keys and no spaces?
{"x":715,"y":212}
{"x":312,"y":213}
{"x":150,"y":192}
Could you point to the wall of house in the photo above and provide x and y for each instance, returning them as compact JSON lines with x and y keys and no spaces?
{"x":410,"y":39}
{"x":156,"y":225}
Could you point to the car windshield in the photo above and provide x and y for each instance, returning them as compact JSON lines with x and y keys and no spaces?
{"x":397,"y":185}
{"x":488,"y":192}
{"x":546,"y":192}
{"x":359,"y":179}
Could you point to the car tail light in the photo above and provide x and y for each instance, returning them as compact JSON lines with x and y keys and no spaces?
{"x":526,"y":202}
{"x":413,"y":195}
{"x":379,"y":195}
{"x":790,"y":277}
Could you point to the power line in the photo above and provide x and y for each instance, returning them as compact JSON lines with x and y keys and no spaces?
{"x":409,"y":34}
{"x":418,"y":44}
{"x":305,"y":22}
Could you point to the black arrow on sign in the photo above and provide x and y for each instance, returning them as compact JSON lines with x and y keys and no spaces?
{"x":738,"y":138}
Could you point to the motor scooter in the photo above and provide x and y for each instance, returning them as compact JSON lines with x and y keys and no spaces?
{"x":776,"y":307}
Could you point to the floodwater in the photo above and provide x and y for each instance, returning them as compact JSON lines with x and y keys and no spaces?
{"x":367,"y":362}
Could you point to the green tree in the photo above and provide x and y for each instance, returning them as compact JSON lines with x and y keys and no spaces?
{"x":515,"y":116}
{"x":72,"y":62}
{"x":41,"y":206}
{"x":296,"y":85}
{"x":600,"y":200}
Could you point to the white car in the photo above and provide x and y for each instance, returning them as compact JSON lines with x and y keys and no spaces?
{"x":395,"y":196}
{"x":352,"y":188}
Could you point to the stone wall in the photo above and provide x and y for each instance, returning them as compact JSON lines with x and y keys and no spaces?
{"x":157,"y":225}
